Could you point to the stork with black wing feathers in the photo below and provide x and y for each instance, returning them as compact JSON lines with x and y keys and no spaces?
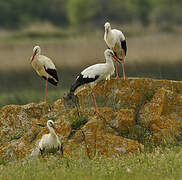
{"x":116,"y":41}
{"x":94,"y":74}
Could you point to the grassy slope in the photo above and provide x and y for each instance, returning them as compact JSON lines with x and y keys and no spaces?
{"x":159,"y":164}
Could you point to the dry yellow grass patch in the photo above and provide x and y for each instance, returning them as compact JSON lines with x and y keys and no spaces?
{"x":85,"y":50}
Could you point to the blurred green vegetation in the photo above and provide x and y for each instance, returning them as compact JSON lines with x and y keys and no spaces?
{"x":18,"y":13}
{"x":14,"y":14}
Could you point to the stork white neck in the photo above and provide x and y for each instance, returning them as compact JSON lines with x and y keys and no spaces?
{"x":36,"y":52}
{"x":107,"y":30}
{"x":51,"y":130}
{"x":51,"y":127}
{"x":109,"y":59}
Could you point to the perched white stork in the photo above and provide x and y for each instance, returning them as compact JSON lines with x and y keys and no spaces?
{"x":116,"y":41}
{"x":95,"y":73}
{"x":50,"y":142}
{"x":44,"y":68}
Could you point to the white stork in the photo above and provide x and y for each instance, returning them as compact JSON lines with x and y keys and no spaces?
{"x":95,"y":73}
{"x":44,"y":68}
{"x":116,"y":41}
{"x":50,"y":142}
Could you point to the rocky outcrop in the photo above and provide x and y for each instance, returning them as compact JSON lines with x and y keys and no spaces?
{"x":133,"y":113}
{"x":163,"y":116}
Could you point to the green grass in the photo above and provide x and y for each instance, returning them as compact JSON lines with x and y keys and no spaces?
{"x":76,"y":123}
{"x":159,"y":164}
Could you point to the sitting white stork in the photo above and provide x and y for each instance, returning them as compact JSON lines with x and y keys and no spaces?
{"x":95,"y":73}
{"x":50,"y":142}
{"x":44,"y":68}
{"x":116,"y":41}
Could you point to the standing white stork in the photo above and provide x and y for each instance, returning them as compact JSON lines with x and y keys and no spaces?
{"x":116,"y":41}
{"x":44,"y":68}
{"x":95,"y":73}
{"x":50,"y":142}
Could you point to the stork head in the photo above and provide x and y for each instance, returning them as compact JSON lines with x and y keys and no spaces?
{"x":36,"y":50}
{"x":110,"y":53}
{"x":107,"y":28}
{"x":50,"y":125}
{"x":107,"y":25}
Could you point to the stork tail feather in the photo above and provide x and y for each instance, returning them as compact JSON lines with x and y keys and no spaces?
{"x":52,"y":81}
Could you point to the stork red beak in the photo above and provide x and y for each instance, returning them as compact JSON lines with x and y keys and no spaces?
{"x":33,"y":57}
{"x":117,"y":60}
{"x":54,"y":127}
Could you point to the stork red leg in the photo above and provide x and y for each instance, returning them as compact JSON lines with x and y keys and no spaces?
{"x":124,"y":74}
{"x":94,"y":102}
{"x":46,"y":85}
{"x":117,"y":75}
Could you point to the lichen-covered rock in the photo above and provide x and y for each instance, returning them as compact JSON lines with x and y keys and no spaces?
{"x":63,"y":127}
{"x":99,"y":140}
{"x":95,"y":138}
{"x":128,"y":108}
{"x":16,"y":120}
{"x":75,"y":146}
{"x":131,"y":93}
{"x":98,"y":135}
{"x":163,"y":115}
{"x":121,"y":120}
{"x":154,"y":108}
{"x":113,"y":146}
{"x":59,"y":105}
{"x":20,"y":148}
